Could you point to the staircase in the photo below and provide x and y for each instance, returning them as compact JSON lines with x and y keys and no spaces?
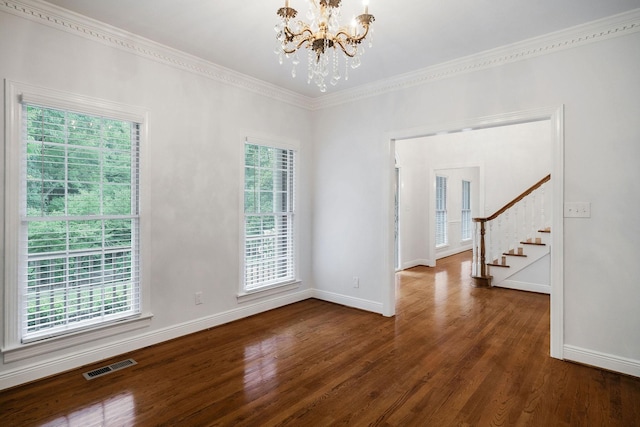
{"x":525,"y":268}
{"x":511,"y":248}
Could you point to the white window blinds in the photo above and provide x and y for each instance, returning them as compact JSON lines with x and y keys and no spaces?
{"x":79,"y":245}
{"x":441,"y":211}
{"x":466,"y":211}
{"x":269,"y":209}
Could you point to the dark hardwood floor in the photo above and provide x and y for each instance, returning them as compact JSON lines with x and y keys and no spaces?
{"x":453,"y":355}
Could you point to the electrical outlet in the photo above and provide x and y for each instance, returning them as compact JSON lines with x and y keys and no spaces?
{"x":198,"y":298}
{"x":356,"y":282}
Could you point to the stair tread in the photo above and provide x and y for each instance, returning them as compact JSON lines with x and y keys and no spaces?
{"x":507,"y":253}
{"x":518,"y":251}
{"x":533,"y":243}
{"x":498,"y":265}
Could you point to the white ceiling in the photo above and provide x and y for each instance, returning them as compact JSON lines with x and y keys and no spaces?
{"x":408,"y":34}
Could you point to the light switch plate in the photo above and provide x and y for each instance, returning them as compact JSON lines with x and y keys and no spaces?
{"x":577,"y":210}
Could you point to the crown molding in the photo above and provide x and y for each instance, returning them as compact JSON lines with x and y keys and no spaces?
{"x":602,"y":29}
{"x":71,"y":22}
{"x":54,"y":16}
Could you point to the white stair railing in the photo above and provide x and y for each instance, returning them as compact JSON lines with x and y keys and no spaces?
{"x":492,"y":238}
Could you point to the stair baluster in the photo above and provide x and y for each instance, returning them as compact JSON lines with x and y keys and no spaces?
{"x":475,"y":251}
{"x":534,"y":214}
{"x":542,"y":219}
{"x":506,"y":215}
{"x":516,"y":242}
{"x":492,"y":239}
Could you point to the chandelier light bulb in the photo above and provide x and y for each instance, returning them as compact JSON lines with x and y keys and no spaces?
{"x":324,"y":39}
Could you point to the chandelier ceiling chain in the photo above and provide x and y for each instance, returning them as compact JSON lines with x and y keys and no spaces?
{"x":324,"y":38}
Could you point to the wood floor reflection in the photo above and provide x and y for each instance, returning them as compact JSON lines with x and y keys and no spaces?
{"x":453,"y":355}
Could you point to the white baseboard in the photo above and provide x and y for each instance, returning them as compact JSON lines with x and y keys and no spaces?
{"x":525,"y":286}
{"x":42,"y":369}
{"x":602,"y":360}
{"x":359,"y":303}
{"x":417,"y":262}
{"x":454,"y":251}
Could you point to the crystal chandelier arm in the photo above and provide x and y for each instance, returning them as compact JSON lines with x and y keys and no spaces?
{"x":343,"y":37}
{"x":340,"y":42}
{"x":291,"y":50}
{"x":291,"y":37}
{"x":350,"y":38}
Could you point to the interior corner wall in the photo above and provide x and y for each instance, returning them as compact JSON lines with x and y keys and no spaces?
{"x":598,"y":85}
{"x":195,"y":145}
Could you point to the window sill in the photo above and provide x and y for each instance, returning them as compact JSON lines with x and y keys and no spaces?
{"x":267,"y":291}
{"x":36,"y":348}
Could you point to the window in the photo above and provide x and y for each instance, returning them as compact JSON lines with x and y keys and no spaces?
{"x":269,"y":209}
{"x":73,"y":186}
{"x":441,"y":211}
{"x":466,"y":210}
{"x":80,"y":222}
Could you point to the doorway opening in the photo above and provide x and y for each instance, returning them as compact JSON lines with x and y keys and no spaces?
{"x":552,"y":119}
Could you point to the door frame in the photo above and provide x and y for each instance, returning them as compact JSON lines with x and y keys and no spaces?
{"x":555,"y":115}
{"x":397,"y":242}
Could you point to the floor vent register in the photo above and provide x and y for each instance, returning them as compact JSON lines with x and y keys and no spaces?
{"x":109,"y":369}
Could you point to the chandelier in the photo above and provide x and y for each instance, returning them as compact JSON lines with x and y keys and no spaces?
{"x":324,"y":40}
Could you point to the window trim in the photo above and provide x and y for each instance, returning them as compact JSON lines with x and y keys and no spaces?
{"x":16,"y":94}
{"x":245,"y":295}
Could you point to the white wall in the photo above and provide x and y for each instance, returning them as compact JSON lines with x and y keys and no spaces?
{"x":196,"y":126}
{"x":512,"y":158}
{"x":598,"y":85}
{"x":534,"y":277}
{"x":415,"y":206}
